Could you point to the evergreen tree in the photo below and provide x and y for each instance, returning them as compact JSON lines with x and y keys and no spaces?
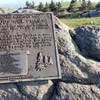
{"x":98,"y":5}
{"x":84,"y":5}
{"x":58,"y":4}
{"x":46,"y":7}
{"x":40,"y":6}
{"x":74,"y":6}
{"x":30,"y":5}
{"x":27,"y":4}
{"x":89,"y":5}
{"x":33,"y":5}
{"x":53,"y":6}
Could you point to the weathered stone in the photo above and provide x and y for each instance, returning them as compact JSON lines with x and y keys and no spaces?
{"x":88,"y":41}
{"x":10,"y":92}
{"x":75,"y":67}
{"x":80,"y":75}
{"x":68,"y":91}
{"x":35,"y":90}
{"x":20,"y":10}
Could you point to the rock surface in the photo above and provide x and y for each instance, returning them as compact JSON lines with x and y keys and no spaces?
{"x":80,"y":75}
{"x":88,"y":41}
{"x":67,"y":91}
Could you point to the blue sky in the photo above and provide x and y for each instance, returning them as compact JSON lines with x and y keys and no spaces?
{"x":21,"y":3}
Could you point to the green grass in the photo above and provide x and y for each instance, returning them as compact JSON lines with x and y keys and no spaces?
{"x":65,"y":4}
{"x":95,"y":21}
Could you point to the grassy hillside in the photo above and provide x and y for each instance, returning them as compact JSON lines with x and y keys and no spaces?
{"x":66,"y":4}
{"x":81,"y":21}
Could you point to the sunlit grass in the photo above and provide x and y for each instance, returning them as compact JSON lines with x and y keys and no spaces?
{"x":95,"y":21}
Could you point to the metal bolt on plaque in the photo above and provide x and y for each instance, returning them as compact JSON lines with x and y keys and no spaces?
{"x":28,"y":49}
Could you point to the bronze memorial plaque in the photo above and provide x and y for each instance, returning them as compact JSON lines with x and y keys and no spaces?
{"x":28,"y":49}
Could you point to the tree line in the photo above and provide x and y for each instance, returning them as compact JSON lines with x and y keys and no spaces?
{"x":74,"y":6}
{"x":82,"y":5}
{"x":53,"y":7}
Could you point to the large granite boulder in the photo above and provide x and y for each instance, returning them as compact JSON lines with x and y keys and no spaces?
{"x":80,"y":75}
{"x":75,"y":67}
{"x":88,"y":41}
{"x":74,"y":91}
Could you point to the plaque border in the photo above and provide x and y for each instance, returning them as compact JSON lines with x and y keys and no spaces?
{"x":58,"y":76}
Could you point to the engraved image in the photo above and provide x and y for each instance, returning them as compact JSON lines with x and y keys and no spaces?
{"x":9,"y":64}
{"x":43,"y":61}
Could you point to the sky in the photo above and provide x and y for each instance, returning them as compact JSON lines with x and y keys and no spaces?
{"x":21,"y":3}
